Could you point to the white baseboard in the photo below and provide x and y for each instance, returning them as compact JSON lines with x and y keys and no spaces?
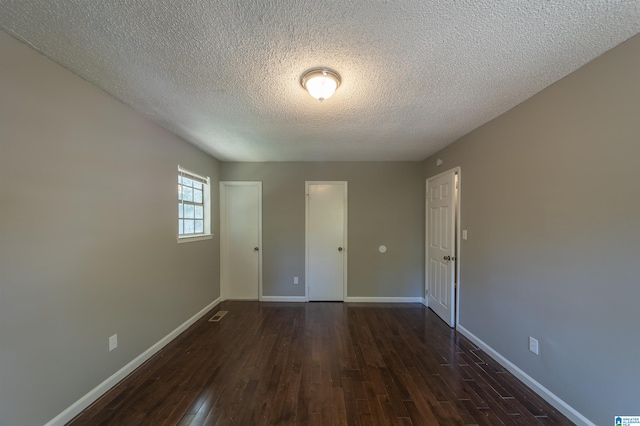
{"x":543,"y":392}
{"x":283,"y":299}
{"x":88,"y":399}
{"x":425,"y":301}
{"x":384,"y":299}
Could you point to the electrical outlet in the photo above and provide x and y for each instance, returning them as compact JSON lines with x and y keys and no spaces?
{"x":533,"y":345}
{"x":464,"y":234}
{"x":113,"y":342}
{"x":295,"y":280}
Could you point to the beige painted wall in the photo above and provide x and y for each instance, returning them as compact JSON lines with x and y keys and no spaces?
{"x":551,"y":201}
{"x":385,"y":207}
{"x":87,"y":236}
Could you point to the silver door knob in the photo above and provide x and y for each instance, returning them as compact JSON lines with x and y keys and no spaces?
{"x":447,"y":258}
{"x":256,"y":249}
{"x":339,"y":248}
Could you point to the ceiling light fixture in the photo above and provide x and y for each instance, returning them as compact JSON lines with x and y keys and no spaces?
{"x":321,"y":83}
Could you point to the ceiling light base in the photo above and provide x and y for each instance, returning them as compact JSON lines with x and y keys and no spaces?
{"x":321,"y":83}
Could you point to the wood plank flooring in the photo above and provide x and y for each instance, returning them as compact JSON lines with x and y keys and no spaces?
{"x":321,"y":364}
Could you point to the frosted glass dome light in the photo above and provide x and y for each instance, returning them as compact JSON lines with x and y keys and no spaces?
{"x":321,"y":83}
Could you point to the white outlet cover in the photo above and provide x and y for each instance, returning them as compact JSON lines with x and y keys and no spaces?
{"x":533,"y":345}
{"x":295,"y":280}
{"x":464,"y":234}
{"x":113,"y":342}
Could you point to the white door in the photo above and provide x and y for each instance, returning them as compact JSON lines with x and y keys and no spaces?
{"x":240,"y":238}
{"x":326,"y":240}
{"x":441,"y":245}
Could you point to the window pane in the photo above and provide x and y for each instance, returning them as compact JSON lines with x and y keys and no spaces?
{"x":197,"y":196}
{"x":190,"y":205}
{"x":188,"y":211}
{"x":187,"y":193}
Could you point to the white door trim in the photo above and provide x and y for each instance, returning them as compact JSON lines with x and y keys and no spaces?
{"x":458,"y":171}
{"x":344,"y":234}
{"x":224,"y":282}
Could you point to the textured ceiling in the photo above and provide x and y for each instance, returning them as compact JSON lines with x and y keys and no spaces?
{"x":416,"y":74}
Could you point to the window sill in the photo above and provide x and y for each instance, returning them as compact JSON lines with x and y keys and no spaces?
{"x":194,"y":238}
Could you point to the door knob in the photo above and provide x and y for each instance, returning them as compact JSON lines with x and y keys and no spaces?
{"x":447,"y":258}
{"x":339,"y":248}
{"x":256,"y":249}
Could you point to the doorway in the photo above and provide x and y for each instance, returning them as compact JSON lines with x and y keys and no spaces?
{"x":326,"y":241}
{"x":241,"y":240}
{"x":442,"y":263}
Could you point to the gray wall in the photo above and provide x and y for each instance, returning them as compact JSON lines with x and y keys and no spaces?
{"x":385,"y":207}
{"x":551,"y":200}
{"x":87,"y":236}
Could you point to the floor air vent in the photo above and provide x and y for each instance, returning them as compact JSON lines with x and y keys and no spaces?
{"x":218,"y":316}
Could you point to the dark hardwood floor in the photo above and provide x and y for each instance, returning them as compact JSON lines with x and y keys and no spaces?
{"x":321,"y":364}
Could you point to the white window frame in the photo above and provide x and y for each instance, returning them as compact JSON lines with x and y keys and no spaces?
{"x":206,"y":202}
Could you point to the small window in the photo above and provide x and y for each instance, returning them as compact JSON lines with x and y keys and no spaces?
{"x":194,"y":210}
